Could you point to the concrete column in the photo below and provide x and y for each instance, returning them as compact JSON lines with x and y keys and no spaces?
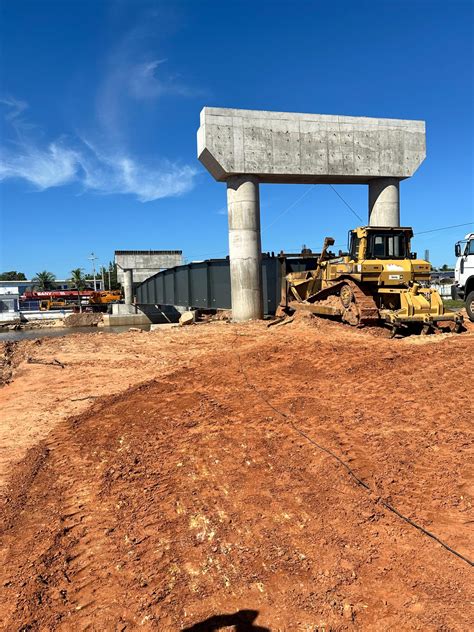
{"x":245,"y":249}
{"x":384,"y":202}
{"x":128,"y":286}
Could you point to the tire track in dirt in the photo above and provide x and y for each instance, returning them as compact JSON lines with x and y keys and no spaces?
{"x":99,"y":364}
{"x":189,"y":497}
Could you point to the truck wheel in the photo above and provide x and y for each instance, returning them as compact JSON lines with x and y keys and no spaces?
{"x":470,"y":305}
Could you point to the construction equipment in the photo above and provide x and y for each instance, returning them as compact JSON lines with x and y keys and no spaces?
{"x":71,"y":299}
{"x":49,"y":304}
{"x":67,"y":295}
{"x":379,"y":281}
{"x":104,"y":297}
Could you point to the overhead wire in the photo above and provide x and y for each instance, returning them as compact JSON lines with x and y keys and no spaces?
{"x":303,"y":196}
{"x":346,"y":203}
{"x":434,"y":230}
{"x":288,"y":208}
{"x":353,"y":211}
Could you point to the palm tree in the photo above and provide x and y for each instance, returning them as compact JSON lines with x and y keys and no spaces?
{"x":79,"y":281}
{"x":44,"y":280}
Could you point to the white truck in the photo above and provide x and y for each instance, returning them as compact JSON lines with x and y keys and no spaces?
{"x":463,"y":287}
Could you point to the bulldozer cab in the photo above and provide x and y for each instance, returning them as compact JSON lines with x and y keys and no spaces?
{"x":380,"y":243}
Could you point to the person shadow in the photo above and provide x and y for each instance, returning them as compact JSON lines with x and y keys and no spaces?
{"x":242,"y":620}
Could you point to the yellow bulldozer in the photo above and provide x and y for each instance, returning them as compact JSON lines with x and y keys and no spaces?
{"x":379,"y":281}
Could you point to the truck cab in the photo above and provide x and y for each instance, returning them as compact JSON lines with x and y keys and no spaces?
{"x":463,"y":287}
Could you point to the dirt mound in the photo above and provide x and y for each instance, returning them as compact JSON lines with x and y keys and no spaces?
{"x":336,"y":328}
{"x":12,"y":353}
{"x":193,"y":498}
{"x":6,"y":362}
{"x":86,"y":319}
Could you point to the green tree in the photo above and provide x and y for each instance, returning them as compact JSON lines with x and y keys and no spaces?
{"x":112,"y":271}
{"x":78,"y":279}
{"x":12,"y":275}
{"x":44,"y":280}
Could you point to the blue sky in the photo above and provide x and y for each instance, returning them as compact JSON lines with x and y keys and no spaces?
{"x":100,"y":102}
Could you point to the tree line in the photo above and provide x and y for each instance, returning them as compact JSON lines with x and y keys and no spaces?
{"x":46,"y":280}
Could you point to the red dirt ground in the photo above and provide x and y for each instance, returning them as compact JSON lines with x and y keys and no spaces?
{"x":191,"y":496}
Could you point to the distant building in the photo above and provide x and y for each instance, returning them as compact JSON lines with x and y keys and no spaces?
{"x":20,"y":287}
{"x":8,"y":306}
{"x":145,"y":263}
{"x":15,"y":287}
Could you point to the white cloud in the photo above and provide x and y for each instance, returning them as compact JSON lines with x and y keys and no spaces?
{"x":128,"y":83}
{"x":65,"y":161}
{"x":44,"y":168}
{"x":119,"y":173}
{"x":15,"y":107}
{"x":143,"y":82}
{"x":132,"y":77}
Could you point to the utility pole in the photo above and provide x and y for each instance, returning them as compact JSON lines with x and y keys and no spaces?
{"x":103,"y":277}
{"x":110,"y":284}
{"x":93,"y":258}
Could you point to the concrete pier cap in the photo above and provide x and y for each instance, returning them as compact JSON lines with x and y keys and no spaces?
{"x":253,"y":146}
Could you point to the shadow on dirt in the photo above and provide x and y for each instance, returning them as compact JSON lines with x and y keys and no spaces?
{"x":241,"y":620}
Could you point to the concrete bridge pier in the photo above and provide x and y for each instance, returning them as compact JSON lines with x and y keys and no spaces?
{"x":384,"y":202}
{"x":247,"y":147}
{"x":128,"y":286}
{"x":243,"y":201}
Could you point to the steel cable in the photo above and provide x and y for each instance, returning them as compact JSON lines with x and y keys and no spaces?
{"x":351,"y":472}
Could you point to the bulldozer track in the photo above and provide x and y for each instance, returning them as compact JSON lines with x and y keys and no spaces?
{"x":368,"y":311}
